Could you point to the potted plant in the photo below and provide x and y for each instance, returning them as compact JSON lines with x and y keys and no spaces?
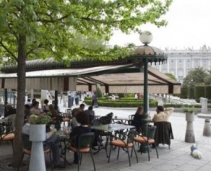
{"x":38,"y":127}
{"x":189,"y":115}
{"x":189,"y":111}
{"x":37,"y":134}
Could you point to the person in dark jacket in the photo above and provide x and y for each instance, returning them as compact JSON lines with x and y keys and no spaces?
{"x":91,"y":114}
{"x":83,"y":119}
{"x":138,"y":117}
{"x":9,"y":110}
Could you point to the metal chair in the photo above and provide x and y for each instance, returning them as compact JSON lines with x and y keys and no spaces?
{"x":6,"y":134}
{"x":27,"y":150}
{"x":148,"y":139}
{"x":83,"y":146}
{"x":124,"y":144}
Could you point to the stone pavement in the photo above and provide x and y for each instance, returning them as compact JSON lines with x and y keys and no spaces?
{"x":177,"y":158}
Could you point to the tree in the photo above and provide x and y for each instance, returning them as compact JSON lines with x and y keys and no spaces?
{"x":171,"y":76}
{"x":195,"y":76}
{"x":43,"y":28}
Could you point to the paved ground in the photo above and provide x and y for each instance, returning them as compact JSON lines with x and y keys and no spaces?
{"x":178,"y":158}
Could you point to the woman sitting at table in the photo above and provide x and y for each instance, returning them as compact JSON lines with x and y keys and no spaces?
{"x":83,"y":119}
{"x":138,"y":117}
{"x":74,"y":122}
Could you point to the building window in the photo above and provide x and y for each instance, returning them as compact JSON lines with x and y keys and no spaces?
{"x":180,"y":61}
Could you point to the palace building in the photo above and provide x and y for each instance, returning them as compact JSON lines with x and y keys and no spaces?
{"x":180,"y":62}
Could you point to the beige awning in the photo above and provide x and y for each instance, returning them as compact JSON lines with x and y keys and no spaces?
{"x":112,"y":78}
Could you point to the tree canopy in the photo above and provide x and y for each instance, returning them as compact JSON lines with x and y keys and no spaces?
{"x":69,"y":29}
{"x":195,"y":76}
{"x":171,"y":76}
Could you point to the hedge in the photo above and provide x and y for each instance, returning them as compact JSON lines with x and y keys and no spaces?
{"x":121,"y":103}
{"x":199,"y":92}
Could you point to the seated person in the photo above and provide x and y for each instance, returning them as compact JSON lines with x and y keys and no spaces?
{"x":162,"y":114}
{"x":54,"y":113}
{"x":74,"y":122}
{"x":138,"y":117}
{"x":45,"y":107}
{"x":52,"y":141}
{"x":83,"y":119}
{"x":91,"y":114}
{"x":9,"y":110}
{"x":35,"y":109}
{"x":26,"y":111}
{"x":81,"y":107}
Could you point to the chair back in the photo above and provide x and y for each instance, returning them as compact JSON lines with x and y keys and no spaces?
{"x":2,"y":129}
{"x":6,"y":127}
{"x":85,"y":140}
{"x":151,"y":132}
{"x":131,"y":117}
{"x":164,"y":132}
{"x":131,"y":135}
{"x":27,"y":144}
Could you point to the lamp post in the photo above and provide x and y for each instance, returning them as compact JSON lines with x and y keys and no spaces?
{"x":147,"y":54}
{"x":190,"y":92}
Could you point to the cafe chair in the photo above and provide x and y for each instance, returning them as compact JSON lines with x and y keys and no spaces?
{"x":148,"y":139}
{"x":164,"y":133}
{"x":27,"y":144}
{"x":125,"y":144}
{"x":5,"y":134}
{"x":84,"y":146}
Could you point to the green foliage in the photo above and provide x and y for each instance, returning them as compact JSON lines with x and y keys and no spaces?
{"x":171,"y":76}
{"x":202,"y":91}
{"x":199,"y":91}
{"x":184,"y":92}
{"x":208,"y":92}
{"x":73,"y":30}
{"x":189,"y":109}
{"x":129,"y":95}
{"x":121,"y":103}
{"x":195,"y":76}
{"x":181,"y":105}
{"x":98,"y":91}
{"x":40,"y":119}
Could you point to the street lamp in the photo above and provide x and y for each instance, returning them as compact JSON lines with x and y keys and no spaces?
{"x":147,"y":54}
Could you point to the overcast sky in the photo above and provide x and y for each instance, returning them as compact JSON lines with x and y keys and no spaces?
{"x":189,"y":25}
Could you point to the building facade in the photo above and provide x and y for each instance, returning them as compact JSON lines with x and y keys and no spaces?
{"x":180,"y":62}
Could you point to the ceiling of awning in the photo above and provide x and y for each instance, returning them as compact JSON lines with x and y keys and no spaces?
{"x":113,"y":78}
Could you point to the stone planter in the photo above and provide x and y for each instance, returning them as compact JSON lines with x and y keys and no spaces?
{"x":189,"y":117}
{"x":189,"y":136}
{"x":37,"y":134}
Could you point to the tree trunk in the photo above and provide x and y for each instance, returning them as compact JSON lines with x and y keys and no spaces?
{"x":21,"y":73}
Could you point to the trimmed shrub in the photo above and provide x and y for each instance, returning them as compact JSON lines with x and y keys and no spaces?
{"x":199,"y":92}
{"x":184,"y":93}
{"x":121,"y":103}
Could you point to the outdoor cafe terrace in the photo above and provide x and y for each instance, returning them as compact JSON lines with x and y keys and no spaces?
{"x":176,"y":158}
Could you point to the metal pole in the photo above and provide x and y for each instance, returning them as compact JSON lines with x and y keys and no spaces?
{"x":143,"y":147}
{"x":56,"y":100}
{"x":146,"y":86}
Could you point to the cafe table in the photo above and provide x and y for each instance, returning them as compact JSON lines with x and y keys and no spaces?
{"x":63,"y":141}
{"x":110,"y":128}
